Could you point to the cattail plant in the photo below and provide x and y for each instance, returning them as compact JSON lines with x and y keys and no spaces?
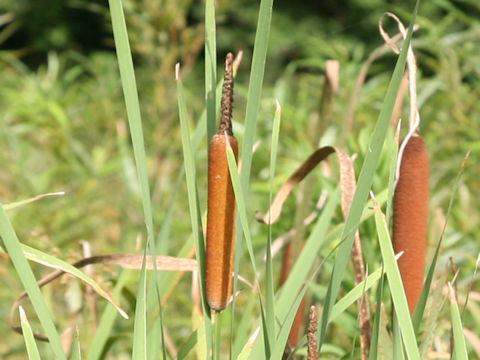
{"x":221,"y":203}
{"x":410,"y":217}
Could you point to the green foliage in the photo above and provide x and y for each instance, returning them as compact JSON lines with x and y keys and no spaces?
{"x":64,"y":128}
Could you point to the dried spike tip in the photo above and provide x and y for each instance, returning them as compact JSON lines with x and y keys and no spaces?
{"x":312,"y":334}
{"x":227,"y":98}
{"x":410,"y":214}
{"x":221,"y":204}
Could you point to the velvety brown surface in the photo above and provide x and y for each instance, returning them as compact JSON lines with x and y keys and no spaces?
{"x":220,"y":224}
{"x":410,"y":217}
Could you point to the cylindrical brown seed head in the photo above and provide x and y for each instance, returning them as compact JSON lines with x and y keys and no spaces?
{"x":410,"y":217}
{"x":221,"y":203}
{"x":220,"y":224}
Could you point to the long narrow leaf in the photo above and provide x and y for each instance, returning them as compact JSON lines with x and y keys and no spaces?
{"x":255,"y":87}
{"x":365,"y":181}
{"x":188,"y":346}
{"x":32,"y":350}
{"x":459,"y":345}
{"x":376,"y":323}
{"x":247,"y":349}
{"x":45,"y":259}
{"x":210,"y":67}
{"x":139,"y":350}
{"x":398,"y":346}
{"x":281,"y":341}
{"x":241,"y":206}
{"x":391,"y":176}
{"x":194,"y":206}
{"x":299,"y":273}
{"x":354,"y":294}
{"x":253,"y":105}
{"x":130,"y":93}
{"x":419,"y":309}
{"x":243,"y":326}
{"x":242,"y":212}
{"x":107,"y":319}
{"x":396,"y":287}
{"x":270,"y":294}
{"x":12,"y":245}
{"x":76,"y":352}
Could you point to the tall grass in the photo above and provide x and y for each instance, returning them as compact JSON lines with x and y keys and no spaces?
{"x":258,"y":321}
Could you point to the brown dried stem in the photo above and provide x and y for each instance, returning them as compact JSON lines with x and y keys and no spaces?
{"x":348,"y":185}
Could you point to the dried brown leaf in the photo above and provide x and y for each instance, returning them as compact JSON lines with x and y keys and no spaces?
{"x":126,"y":261}
{"x":304,"y":169}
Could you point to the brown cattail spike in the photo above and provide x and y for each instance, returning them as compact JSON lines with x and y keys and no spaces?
{"x":221,"y":204}
{"x":410,"y":217}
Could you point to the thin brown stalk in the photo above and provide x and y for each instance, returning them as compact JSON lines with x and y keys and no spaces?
{"x":312,"y":334}
{"x":363,"y":303}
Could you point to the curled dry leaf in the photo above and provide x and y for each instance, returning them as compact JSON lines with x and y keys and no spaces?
{"x":126,"y":261}
{"x":305,"y":168}
{"x":347,"y":182}
{"x":348,"y":187}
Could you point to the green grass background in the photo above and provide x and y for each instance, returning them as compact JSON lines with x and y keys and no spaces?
{"x":64,"y":128}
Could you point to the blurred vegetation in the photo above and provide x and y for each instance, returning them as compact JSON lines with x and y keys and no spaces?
{"x":63,"y":120}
